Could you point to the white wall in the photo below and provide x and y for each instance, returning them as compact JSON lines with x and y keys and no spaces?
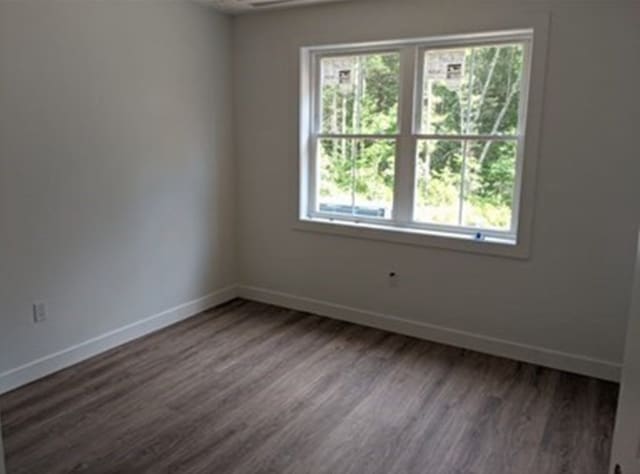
{"x":117,"y":176}
{"x":116,"y":167}
{"x":571,"y":296}
{"x":625,"y":449}
{"x":2,"y":467}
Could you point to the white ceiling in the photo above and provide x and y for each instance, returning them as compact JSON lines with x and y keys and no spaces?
{"x":240,"y":6}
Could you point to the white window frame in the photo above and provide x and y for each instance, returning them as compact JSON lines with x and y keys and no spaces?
{"x":401,"y":227}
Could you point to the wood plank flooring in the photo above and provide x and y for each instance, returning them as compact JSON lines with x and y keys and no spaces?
{"x":252,"y":388}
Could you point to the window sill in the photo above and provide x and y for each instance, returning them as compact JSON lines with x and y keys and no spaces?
{"x":416,"y":237}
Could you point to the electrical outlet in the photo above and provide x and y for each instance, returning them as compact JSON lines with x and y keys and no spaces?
{"x":393,"y":280}
{"x":39,"y":312}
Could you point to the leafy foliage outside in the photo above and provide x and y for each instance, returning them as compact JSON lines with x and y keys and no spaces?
{"x":359,"y":171}
{"x":466,"y":91}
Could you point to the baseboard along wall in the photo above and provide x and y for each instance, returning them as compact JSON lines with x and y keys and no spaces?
{"x":49,"y":364}
{"x":575,"y":363}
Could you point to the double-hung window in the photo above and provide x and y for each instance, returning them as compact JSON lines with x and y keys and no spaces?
{"x":425,"y":136}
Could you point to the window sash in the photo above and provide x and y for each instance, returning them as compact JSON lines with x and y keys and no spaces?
{"x":464,"y":139}
{"x":411,"y":83}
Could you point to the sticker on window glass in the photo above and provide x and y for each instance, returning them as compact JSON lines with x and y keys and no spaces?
{"x":339,"y":72}
{"x":445,"y":65}
{"x":454,"y":71}
{"x":344,"y":77}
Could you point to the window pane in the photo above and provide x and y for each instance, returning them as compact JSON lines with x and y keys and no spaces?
{"x":489,"y":184}
{"x":359,"y":94}
{"x":438,"y":181}
{"x":467,"y":183}
{"x":355,"y":177}
{"x":472,"y":90}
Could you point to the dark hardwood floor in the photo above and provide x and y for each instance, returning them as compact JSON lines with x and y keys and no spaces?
{"x":252,"y":388}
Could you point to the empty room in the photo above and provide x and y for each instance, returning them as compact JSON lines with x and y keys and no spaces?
{"x":319,"y":236}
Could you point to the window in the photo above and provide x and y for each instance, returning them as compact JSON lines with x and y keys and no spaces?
{"x":421,"y":136}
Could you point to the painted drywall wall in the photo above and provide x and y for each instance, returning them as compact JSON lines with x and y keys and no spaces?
{"x":116,"y":167}
{"x":2,"y":467}
{"x":571,"y":295}
{"x":625,"y":450}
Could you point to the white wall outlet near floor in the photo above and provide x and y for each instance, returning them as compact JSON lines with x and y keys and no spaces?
{"x":39,"y":312}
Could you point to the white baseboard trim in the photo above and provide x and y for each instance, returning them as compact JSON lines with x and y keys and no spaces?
{"x":575,"y":363}
{"x":51,"y":363}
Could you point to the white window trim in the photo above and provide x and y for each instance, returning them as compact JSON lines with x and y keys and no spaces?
{"x":400,"y":229}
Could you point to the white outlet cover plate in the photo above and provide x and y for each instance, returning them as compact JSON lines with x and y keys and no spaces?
{"x":39,"y":312}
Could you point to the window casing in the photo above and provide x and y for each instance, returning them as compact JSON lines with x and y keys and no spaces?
{"x":401,"y":190}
